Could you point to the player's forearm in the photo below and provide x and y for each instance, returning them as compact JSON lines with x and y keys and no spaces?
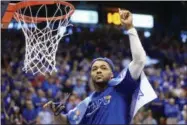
{"x":61,"y":119}
{"x":138,"y":54}
{"x":137,"y":50}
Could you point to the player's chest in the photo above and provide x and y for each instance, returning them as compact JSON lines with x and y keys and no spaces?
{"x":96,"y":105}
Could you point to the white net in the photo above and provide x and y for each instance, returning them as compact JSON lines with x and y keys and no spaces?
{"x":42,"y":43}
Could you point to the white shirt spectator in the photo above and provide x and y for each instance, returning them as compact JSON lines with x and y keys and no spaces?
{"x":45,"y":117}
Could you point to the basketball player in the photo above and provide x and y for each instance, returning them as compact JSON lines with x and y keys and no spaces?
{"x":112,"y":102}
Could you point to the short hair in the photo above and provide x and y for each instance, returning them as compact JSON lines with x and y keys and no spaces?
{"x":107,"y":60}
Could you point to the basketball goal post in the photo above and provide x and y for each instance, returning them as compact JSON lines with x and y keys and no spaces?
{"x":41,"y":44}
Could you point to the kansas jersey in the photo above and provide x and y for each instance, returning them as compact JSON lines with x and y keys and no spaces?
{"x":112,"y":106}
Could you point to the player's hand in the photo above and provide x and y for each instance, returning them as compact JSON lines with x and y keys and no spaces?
{"x":49,"y":105}
{"x":126,"y":18}
{"x":57,"y":109}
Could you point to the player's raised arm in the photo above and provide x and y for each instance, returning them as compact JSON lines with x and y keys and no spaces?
{"x":138,"y":54}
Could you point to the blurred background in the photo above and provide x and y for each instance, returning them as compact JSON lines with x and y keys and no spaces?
{"x":96,"y":32}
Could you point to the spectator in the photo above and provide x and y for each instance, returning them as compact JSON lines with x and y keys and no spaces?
{"x":16,"y":97}
{"x":184,"y":110}
{"x":16,"y":117}
{"x":162,"y":121}
{"x":178,"y":90}
{"x":37,"y":100}
{"x":51,"y":85}
{"x":10,"y":108}
{"x":139,"y":117}
{"x":49,"y":94}
{"x":184,"y":120}
{"x":182,"y":100}
{"x":149,"y":119}
{"x":45,"y":117}
{"x":71,"y":103}
{"x":68,"y":87}
{"x":85,"y":64}
{"x":136,"y":120}
{"x":29,"y":113}
{"x":171,"y":112}
{"x":79,"y":88}
{"x":157,"y":106}
{"x":5,"y":119}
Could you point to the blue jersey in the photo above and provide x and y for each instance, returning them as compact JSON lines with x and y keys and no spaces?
{"x":117,"y":104}
{"x":112,"y":106}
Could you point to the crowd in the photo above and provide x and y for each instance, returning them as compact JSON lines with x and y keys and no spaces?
{"x":23,"y":94}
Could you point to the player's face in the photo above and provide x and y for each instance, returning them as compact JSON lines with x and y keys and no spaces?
{"x":101,"y":72}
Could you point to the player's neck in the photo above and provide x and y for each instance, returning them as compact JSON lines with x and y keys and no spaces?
{"x":100,"y":87}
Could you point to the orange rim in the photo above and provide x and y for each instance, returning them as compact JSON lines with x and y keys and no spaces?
{"x":29,"y":19}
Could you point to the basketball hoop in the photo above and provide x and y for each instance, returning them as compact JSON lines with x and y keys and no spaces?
{"x":42,"y":44}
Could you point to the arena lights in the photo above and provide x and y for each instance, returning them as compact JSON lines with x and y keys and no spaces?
{"x":18,"y":26}
{"x":78,"y":29}
{"x":67,"y":40}
{"x":139,"y":20}
{"x":10,"y":26}
{"x":184,"y":36}
{"x":85,"y":16}
{"x":151,"y":61}
{"x":125,"y":32}
{"x":15,"y":25}
{"x":92,"y":29}
{"x":147,"y":34}
{"x":70,"y":30}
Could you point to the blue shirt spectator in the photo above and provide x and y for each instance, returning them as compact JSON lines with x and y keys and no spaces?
{"x":181,"y":102}
{"x":29,"y":113}
{"x":50,"y":85}
{"x":183,"y":120}
{"x":79,"y":88}
{"x":157,"y":105}
{"x":171,"y":110}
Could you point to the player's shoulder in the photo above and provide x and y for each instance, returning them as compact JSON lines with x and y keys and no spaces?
{"x":87,"y":99}
{"x":119,"y":78}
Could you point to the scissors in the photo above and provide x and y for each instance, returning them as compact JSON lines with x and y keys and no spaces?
{"x":60,"y":105}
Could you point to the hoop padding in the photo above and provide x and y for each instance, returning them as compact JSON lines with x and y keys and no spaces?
{"x":42,"y":44}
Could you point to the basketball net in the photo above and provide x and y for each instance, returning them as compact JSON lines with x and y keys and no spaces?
{"x":42,"y":44}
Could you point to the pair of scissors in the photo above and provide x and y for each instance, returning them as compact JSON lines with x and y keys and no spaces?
{"x":60,"y":105}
